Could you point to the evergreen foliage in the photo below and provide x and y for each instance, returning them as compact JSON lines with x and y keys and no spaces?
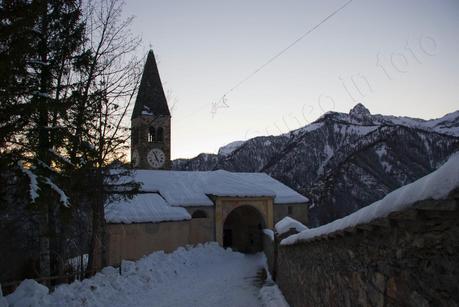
{"x":67,"y":77}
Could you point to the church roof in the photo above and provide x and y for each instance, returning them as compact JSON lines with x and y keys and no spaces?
{"x":150,"y":98}
{"x":143,"y":208}
{"x":191,"y":188}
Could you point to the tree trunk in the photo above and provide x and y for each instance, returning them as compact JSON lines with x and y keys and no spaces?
{"x":44,"y":146}
{"x":98,"y":253}
{"x":44,"y":261}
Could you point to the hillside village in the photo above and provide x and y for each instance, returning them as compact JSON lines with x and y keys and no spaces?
{"x":352,"y":209}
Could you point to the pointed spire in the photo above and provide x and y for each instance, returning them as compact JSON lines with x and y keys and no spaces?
{"x":150,"y":98}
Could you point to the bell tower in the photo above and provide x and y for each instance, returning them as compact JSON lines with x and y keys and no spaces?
{"x":151,"y":122}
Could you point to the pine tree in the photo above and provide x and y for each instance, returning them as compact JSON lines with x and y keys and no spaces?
{"x":18,"y":45}
{"x":68,"y":77}
{"x":42,"y":41}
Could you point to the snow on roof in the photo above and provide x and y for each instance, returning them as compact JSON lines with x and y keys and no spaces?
{"x":284,"y":194}
{"x":269,"y":233}
{"x":177,"y":188}
{"x":288,"y":223}
{"x":191,"y":188}
{"x":436,"y":185}
{"x":224,"y":183}
{"x":143,"y":208}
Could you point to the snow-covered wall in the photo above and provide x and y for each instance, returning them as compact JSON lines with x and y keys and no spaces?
{"x":408,"y":258}
{"x":436,"y":185}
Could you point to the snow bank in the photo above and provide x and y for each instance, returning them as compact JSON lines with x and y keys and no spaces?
{"x":206,"y":275}
{"x":191,"y":188}
{"x":271,"y":296}
{"x":437,"y":185}
{"x":3,"y":301}
{"x":29,"y":293}
{"x":288,"y":223}
{"x":143,"y":208}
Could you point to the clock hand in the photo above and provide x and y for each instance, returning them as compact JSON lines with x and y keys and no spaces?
{"x":156,"y":157}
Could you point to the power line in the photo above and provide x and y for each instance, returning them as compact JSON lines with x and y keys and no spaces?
{"x":272,"y":59}
{"x":222,"y":100}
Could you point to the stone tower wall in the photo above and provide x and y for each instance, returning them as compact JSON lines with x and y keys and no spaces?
{"x":143,"y":123}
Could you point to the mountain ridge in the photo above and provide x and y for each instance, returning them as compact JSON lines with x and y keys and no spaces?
{"x":343,"y":161}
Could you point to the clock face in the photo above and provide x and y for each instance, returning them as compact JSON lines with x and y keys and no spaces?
{"x":135,"y":158}
{"x":156,"y":158}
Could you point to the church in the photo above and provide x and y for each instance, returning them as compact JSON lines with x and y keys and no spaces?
{"x":179,"y":208}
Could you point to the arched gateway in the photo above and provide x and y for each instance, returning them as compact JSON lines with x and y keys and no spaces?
{"x":242,"y":230}
{"x":239,"y":222}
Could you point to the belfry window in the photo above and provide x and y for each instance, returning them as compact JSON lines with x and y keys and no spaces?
{"x":151,"y":134}
{"x":160,"y":134}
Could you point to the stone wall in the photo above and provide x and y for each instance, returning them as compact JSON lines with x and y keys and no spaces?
{"x":142,"y":145}
{"x":407,"y":259}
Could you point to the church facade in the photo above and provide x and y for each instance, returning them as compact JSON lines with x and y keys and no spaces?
{"x":178,"y":208}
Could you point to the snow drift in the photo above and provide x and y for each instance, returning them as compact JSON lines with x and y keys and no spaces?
{"x":205,"y":275}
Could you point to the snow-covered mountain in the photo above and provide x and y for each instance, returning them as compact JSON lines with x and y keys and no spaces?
{"x":343,"y":162}
{"x":229,"y":148}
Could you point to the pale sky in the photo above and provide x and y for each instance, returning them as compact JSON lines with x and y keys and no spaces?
{"x":205,"y":48}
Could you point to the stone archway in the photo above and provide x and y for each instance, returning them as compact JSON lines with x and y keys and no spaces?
{"x":242,"y":230}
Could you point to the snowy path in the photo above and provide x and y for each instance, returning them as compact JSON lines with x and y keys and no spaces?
{"x":203,"y":276}
{"x":223,"y":283}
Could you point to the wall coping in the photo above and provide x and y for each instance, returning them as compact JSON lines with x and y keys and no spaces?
{"x":412,"y":213}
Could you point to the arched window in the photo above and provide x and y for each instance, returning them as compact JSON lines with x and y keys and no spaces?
{"x":151,"y":134}
{"x":160,"y":134}
{"x":199,"y":214}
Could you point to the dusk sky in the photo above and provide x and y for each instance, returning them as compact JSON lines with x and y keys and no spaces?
{"x":396,"y":57}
